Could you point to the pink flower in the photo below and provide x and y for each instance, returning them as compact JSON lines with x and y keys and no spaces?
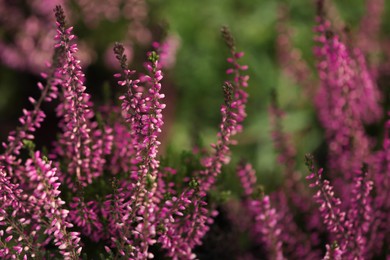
{"x":49,"y":206}
{"x":81,"y":143}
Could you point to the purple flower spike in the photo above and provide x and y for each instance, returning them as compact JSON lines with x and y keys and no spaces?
{"x":330,"y":205}
{"x":82,"y":143}
{"x":49,"y":206}
{"x":266,"y":228}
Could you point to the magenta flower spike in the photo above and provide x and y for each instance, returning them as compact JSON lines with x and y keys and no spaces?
{"x":333,"y":216}
{"x":266,"y":228}
{"x":369,"y":28}
{"x":82,"y":143}
{"x":345,"y":96}
{"x":360,"y":215}
{"x":143,"y":112}
{"x":167,"y":51}
{"x":86,"y":216}
{"x":233,"y":114}
{"x":333,"y":252}
{"x":380,"y":209}
{"x":49,"y":211}
{"x":31,"y":119}
{"x":14,"y":241}
{"x":289,"y":57}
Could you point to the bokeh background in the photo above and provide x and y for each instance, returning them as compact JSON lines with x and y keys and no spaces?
{"x":192,"y":83}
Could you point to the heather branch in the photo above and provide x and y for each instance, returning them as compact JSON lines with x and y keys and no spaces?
{"x":82,"y":143}
{"x":360,"y":214}
{"x":13,"y":221}
{"x":85,"y":215}
{"x":46,"y":196}
{"x":233,"y":114}
{"x":131,"y":105}
{"x":333,"y":252}
{"x":266,"y":227}
{"x":347,"y":97}
{"x":118,"y":210}
{"x":74,"y":106}
{"x":32,"y":119}
{"x":229,"y":39}
{"x":144,"y":114}
{"x":240,"y":80}
{"x":330,"y":210}
{"x":282,"y":143}
{"x":379,"y":226}
{"x":290,"y":58}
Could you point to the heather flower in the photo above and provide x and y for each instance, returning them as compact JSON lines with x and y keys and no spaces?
{"x":31,"y":120}
{"x":240,"y":81}
{"x":15,"y":241}
{"x":342,"y":104}
{"x":172,"y":214}
{"x":123,"y":152}
{"x":369,"y":28}
{"x":197,"y":222}
{"x":333,"y":252}
{"x":370,"y":109}
{"x":49,"y":206}
{"x":289,"y":57}
{"x":247,"y":176}
{"x":30,"y":32}
{"x":142,"y":110}
{"x":198,"y":218}
{"x":284,"y":147}
{"x":359,"y":214}
{"x":86,"y":216}
{"x":297,"y":244}
{"x":379,"y":226}
{"x":194,"y":223}
{"x":167,"y":51}
{"x":154,"y":207}
{"x":117,"y":211}
{"x":233,"y":113}
{"x":81,"y":143}
{"x":265,"y":228}
{"x":330,"y":206}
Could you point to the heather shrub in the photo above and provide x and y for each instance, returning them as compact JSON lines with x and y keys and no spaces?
{"x":110,"y":185}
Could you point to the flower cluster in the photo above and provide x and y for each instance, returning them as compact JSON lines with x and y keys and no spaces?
{"x":47,"y":206}
{"x":102,"y":189}
{"x":333,"y":216}
{"x":82,"y":143}
{"x":265,"y":227}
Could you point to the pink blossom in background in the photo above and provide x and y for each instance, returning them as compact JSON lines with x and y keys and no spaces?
{"x":290,"y":58}
{"x":31,"y":33}
{"x":168,"y":50}
{"x":112,"y":62}
{"x":369,"y":31}
{"x":345,"y":95}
